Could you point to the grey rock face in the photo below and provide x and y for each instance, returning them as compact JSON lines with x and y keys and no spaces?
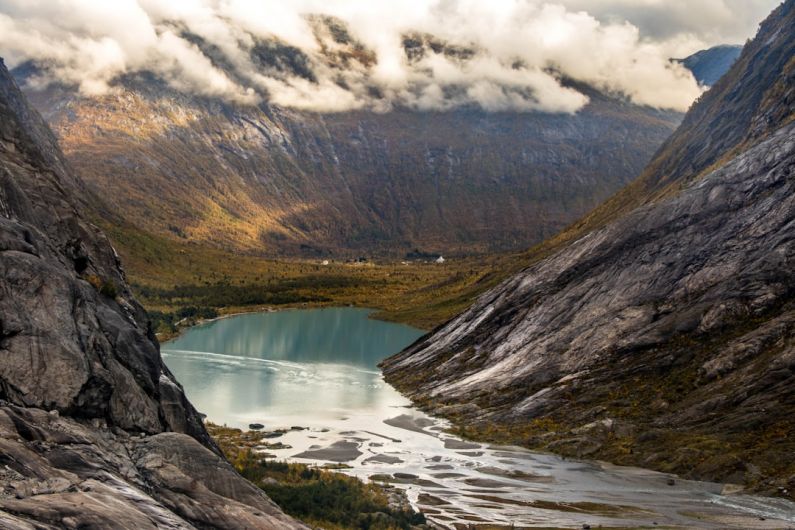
{"x":677,"y":320}
{"x":73,"y":338}
{"x":74,"y":342}
{"x":720,"y":250}
{"x":60,"y":473}
{"x":709,"y":65}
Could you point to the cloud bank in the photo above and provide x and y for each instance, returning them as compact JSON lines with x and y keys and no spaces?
{"x":330,"y":56}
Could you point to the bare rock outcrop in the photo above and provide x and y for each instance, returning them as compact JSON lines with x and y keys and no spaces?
{"x":719,"y":252}
{"x":94,"y":430}
{"x":63,"y":473}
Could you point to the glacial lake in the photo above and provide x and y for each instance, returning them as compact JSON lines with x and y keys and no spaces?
{"x":317,"y":369}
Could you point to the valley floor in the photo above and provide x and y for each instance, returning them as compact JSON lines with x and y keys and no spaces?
{"x":182,"y":283}
{"x":319,"y":496}
{"x":179,"y":283}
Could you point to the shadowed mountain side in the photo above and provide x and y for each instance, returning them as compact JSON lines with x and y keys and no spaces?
{"x":275,"y":181}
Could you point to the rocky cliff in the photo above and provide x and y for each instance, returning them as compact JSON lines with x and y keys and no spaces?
{"x":271,"y":180}
{"x":94,"y":430}
{"x":659,"y":330}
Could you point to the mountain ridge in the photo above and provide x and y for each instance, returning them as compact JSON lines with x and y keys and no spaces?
{"x":709,"y":65}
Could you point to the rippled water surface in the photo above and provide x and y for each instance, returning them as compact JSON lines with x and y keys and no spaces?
{"x":317,"y":369}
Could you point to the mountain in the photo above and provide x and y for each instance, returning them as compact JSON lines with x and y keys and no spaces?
{"x":94,"y":430}
{"x":269,"y":180}
{"x":709,"y":65}
{"x":659,"y":330}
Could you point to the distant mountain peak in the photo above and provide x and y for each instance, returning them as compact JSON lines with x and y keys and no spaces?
{"x":709,"y":65}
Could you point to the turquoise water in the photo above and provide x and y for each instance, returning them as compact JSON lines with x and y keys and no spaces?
{"x":308,"y":366}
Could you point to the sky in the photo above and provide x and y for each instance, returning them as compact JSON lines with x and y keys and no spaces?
{"x":519,"y":52}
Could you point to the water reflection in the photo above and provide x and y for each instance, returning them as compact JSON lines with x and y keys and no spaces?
{"x":314,"y":365}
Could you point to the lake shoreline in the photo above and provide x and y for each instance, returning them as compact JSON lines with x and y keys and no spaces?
{"x":375,"y":314}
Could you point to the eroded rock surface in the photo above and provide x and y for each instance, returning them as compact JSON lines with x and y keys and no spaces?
{"x":61,"y":473}
{"x":720,"y":250}
{"x":94,"y":430}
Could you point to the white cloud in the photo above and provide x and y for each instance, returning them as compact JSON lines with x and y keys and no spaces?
{"x":710,"y":21}
{"x":519,"y":50}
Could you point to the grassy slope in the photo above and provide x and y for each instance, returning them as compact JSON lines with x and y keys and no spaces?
{"x":176,"y":168}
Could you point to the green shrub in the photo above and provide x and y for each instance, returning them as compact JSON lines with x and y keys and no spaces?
{"x":104,"y":286}
{"x":196,"y":312}
{"x":324,"y":497}
{"x":109,"y":289}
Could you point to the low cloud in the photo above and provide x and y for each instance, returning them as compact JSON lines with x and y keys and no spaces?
{"x":331,"y":56}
